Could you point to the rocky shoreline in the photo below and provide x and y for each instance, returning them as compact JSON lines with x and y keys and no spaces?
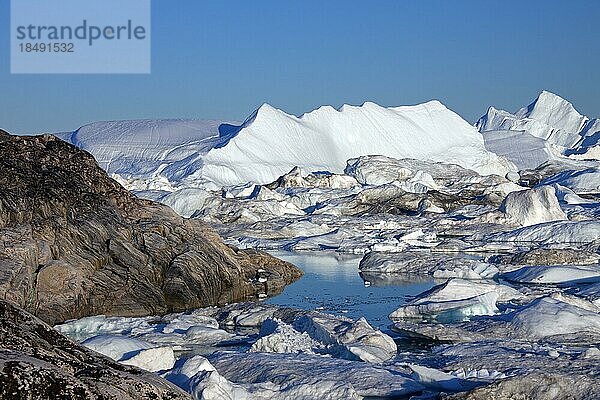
{"x":76,"y":243}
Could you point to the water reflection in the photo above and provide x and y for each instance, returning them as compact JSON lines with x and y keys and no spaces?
{"x":332,"y":283}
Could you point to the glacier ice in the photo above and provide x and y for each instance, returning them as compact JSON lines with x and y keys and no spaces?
{"x":170,"y":154}
{"x":549,"y":128}
{"x":532,"y":206}
{"x":456,"y":300}
{"x":554,"y":274}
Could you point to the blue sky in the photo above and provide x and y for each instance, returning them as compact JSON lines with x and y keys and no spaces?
{"x":222,"y":59}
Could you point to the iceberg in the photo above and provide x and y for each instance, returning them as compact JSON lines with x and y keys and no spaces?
{"x":548,"y":129}
{"x":170,"y":154}
{"x":456,"y":300}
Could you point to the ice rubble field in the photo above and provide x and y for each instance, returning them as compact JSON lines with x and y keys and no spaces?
{"x":503,"y":216}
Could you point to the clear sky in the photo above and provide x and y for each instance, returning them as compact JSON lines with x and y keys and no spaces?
{"x":221,"y":59}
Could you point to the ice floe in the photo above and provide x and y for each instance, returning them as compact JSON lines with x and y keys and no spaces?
{"x":456,"y":300}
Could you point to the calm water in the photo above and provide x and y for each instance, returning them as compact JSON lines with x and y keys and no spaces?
{"x":332,"y":283}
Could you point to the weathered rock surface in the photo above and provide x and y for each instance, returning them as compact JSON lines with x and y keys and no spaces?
{"x":37,"y":362}
{"x":76,"y":243}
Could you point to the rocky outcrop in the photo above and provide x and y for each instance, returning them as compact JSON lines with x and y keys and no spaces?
{"x":76,"y":243}
{"x":37,"y":362}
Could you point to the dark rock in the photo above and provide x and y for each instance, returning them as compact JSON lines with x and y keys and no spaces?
{"x":76,"y":243}
{"x":37,"y":362}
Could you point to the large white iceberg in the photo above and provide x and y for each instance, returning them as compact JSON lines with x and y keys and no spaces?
{"x":165,"y":154}
{"x":547,"y":129}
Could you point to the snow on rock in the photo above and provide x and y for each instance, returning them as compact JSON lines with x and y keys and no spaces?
{"x":555,"y":274}
{"x":303,"y":376}
{"x":456,"y":300}
{"x":534,"y":206}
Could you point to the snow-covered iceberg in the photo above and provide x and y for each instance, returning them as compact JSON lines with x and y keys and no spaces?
{"x":164,"y":154}
{"x":547,"y":129}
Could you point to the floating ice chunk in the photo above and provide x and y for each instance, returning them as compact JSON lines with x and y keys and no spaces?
{"x":182,"y":322}
{"x":377,"y":170}
{"x":426,"y":205}
{"x":347,"y":339}
{"x":456,"y":300}
{"x":549,"y":117}
{"x":558,"y":274}
{"x":591,"y":293}
{"x":477,"y":270}
{"x":439,"y":380}
{"x":247,"y":315}
{"x":548,"y":316}
{"x":278,"y":337}
{"x":534,"y":206}
{"x":419,"y":262}
{"x":187,"y":368}
{"x":303,"y":376}
{"x":592,"y":352}
{"x":116,"y":347}
{"x":197,"y":376}
{"x":579,"y":181}
{"x":88,"y":327}
{"x":566,"y":195}
{"x":206,"y":335}
{"x":381,"y":170}
{"x":390,"y":245}
{"x":241,"y":191}
{"x":296,"y":179}
{"x":187,"y":201}
{"x":478,"y":373}
{"x":152,"y":359}
{"x":551,"y":232}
